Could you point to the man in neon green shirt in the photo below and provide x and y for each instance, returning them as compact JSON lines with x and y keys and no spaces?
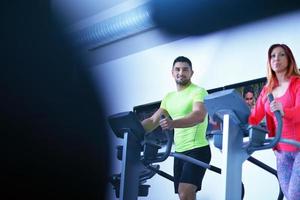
{"x":189,"y":120}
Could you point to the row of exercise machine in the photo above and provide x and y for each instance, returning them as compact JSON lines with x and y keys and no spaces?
{"x":140,"y":153}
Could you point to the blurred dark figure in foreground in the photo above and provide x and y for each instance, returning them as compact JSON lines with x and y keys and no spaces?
{"x":54,"y":141}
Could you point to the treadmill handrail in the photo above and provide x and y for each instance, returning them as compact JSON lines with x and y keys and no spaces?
{"x":271,"y":142}
{"x":163,"y":156}
{"x":292,"y":142}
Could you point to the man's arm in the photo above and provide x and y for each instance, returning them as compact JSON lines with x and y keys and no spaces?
{"x":152,"y":122}
{"x":195,"y":117}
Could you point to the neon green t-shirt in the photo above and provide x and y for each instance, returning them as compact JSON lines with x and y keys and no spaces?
{"x":179,"y":104}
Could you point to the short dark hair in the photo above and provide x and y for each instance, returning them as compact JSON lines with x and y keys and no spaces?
{"x":248,"y":89}
{"x":183,"y":59}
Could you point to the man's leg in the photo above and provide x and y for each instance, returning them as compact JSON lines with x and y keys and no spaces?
{"x":192,"y":175}
{"x":187,"y":191}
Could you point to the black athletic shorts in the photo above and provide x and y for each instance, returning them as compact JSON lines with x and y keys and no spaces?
{"x":186,"y":172}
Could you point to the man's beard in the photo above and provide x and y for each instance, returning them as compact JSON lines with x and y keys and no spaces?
{"x":183,"y":82}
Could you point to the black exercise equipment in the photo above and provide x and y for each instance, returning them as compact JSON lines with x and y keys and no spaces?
{"x":139,"y":153}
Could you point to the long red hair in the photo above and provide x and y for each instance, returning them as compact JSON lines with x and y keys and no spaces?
{"x":291,"y":71}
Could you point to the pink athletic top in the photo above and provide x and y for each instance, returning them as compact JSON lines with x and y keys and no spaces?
{"x":291,"y":119}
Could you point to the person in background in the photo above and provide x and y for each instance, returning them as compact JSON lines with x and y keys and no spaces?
{"x":284,"y":83}
{"x":249,"y":97}
{"x":189,"y":120}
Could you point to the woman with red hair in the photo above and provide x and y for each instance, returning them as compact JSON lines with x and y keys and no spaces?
{"x":284,"y":83}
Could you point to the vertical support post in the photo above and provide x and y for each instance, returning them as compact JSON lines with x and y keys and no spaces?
{"x":130,"y":171}
{"x":233,"y":156}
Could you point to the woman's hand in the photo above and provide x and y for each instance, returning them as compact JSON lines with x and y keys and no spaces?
{"x":274,"y":106}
